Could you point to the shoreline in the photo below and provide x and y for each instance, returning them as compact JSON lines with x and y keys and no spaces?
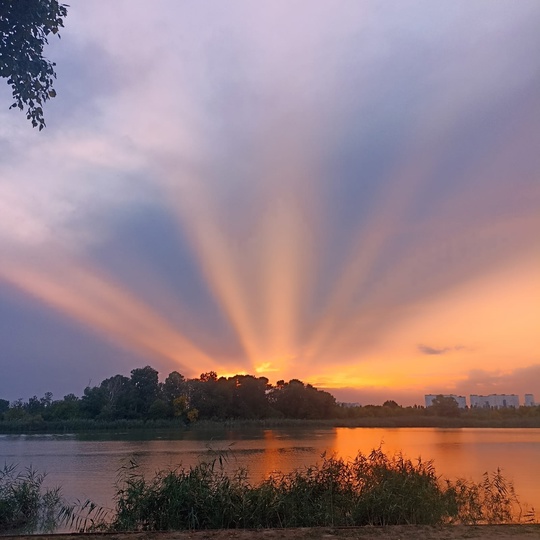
{"x":80,"y":426}
{"x":395,"y":532}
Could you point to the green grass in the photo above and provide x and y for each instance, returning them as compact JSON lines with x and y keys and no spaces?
{"x":373,"y":489}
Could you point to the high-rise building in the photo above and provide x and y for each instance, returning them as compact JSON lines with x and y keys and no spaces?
{"x":495,"y":401}
{"x":529,"y":400}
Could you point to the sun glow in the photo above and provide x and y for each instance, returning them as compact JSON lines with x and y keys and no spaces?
{"x":257,"y":263}
{"x":335,"y":219}
{"x":265,"y":367}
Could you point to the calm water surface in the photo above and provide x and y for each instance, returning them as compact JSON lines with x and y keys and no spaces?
{"x":86,"y":465}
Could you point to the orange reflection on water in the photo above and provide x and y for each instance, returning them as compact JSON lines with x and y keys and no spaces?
{"x":270,"y":461}
{"x":349,"y":441}
{"x":456,"y":453}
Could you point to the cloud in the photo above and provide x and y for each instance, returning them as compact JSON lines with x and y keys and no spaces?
{"x":426,"y":349}
{"x":523,"y":380}
{"x":301,"y":193}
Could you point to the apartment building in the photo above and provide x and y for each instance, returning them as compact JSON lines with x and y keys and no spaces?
{"x":495,"y":401}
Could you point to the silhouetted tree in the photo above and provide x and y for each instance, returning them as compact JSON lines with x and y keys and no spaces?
{"x":174,"y":386}
{"x":246,"y":396}
{"x":209,"y":398}
{"x":159,"y":409}
{"x":47,"y":399}
{"x":93,"y":401}
{"x":16,"y":411}
{"x":33,"y":406}
{"x":209,"y":376}
{"x":4,"y":405}
{"x":296,"y":400}
{"x":64,"y":409}
{"x":146,"y":388}
{"x":25,"y":26}
{"x":119,"y":398}
{"x":445,"y":406}
{"x":391,"y":404}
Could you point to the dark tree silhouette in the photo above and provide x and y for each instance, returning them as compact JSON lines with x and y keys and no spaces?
{"x":25,"y":26}
{"x":174,"y":386}
{"x":146,"y":389}
{"x":445,"y":406}
{"x":391,"y":403}
{"x":298,"y":400}
{"x":4,"y":405}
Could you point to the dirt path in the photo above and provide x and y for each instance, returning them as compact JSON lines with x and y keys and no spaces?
{"x":455,"y":532}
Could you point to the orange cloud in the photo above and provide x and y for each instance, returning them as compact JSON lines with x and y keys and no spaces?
{"x":490,"y":323}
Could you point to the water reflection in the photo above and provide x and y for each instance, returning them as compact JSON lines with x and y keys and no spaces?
{"x":86,"y":465}
{"x":465,"y":453}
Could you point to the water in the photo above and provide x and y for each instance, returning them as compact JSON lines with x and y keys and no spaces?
{"x":86,"y":465}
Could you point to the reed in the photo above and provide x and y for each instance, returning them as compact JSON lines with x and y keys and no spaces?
{"x":25,"y":505}
{"x":372,"y":489}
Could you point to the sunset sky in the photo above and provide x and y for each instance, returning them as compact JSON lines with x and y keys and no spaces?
{"x":343,"y":192}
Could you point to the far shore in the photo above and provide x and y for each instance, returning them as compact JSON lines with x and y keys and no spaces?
{"x":80,"y":425}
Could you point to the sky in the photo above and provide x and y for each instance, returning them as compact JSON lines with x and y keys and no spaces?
{"x":344,"y":192}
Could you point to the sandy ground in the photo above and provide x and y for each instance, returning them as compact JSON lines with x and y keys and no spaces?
{"x":480,"y":532}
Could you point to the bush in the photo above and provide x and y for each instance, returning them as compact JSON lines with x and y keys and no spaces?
{"x":374,"y":489}
{"x":24,"y":506}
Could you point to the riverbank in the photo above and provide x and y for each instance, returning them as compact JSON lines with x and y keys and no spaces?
{"x":401,"y":532}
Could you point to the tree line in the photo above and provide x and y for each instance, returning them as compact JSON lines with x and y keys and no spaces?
{"x":142,"y":397}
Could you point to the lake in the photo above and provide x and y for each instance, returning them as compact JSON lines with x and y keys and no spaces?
{"x":86,"y":465}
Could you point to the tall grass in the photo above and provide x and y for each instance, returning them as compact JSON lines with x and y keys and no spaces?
{"x":25,"y":505}
{"x":373,"y":489}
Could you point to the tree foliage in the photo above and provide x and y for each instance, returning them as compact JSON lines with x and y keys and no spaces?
{"x":141,"y":398}
{"x":390,"y":403}
{"x":25,"y":26}
{"x":146,"y":388}
{"x":445,"y":406}
{"x":298,"y":400}
{"x":4,"y":405}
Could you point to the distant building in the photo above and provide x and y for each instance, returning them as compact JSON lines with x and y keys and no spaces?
{"x":529,"y":400}
{"x":347,"y":404}
{"x":495,"y":401}
{"x":461,"y":401}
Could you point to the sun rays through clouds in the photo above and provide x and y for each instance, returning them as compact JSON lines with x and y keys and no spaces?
{"x":352,"y":202}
